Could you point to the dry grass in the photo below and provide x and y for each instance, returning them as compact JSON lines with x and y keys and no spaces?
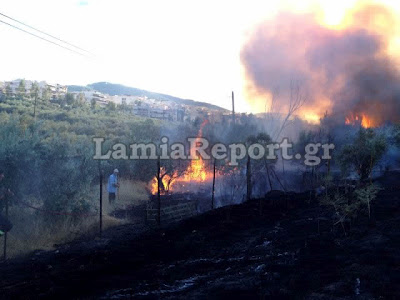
{"x":131,"y":193}
{"x":31,"y":231}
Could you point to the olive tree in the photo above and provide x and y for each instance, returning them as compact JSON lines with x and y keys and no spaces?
{"x":362,"y":155}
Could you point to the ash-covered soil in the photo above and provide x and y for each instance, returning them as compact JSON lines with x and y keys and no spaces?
{"x":290,"y":250}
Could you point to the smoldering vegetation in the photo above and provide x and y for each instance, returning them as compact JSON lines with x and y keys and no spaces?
{"x":232,"y":183}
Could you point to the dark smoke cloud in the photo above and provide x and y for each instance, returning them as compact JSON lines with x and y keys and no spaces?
{"x":348,"y":66}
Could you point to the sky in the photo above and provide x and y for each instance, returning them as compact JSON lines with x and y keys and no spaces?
{"x":188,"y":49}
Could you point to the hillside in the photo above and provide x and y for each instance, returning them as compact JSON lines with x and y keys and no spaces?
{"x":119,"y":89}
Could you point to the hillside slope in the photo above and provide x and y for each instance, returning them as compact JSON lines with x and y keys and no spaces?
{"x":118,"y":89}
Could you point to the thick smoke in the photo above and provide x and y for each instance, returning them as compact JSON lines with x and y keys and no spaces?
{"x":342,"y":71}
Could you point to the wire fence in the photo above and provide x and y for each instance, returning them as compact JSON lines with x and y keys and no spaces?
{"x":53,"y":212}
{"x":20,"y":203}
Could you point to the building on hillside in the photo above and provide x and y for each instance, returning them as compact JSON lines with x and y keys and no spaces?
{"x":100,"y":98}
{"x":141,"y":110}
{"x":127,"y":99}
{"x":56,"y":90}
{"x":226,"y":118}
{"x":168,"y":113}
{"x":14,"y":84}
{"x":159,"y":113}
{"x":180,"y":114}
{"x":215,"y":117}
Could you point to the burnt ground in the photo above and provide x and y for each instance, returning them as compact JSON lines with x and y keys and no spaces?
{"x":229,"y":253}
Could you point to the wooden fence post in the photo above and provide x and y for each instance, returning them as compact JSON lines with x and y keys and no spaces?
{"x":213,"y":189}
{"x":5,"y":234}
{"x":158,"y":192}
{"x":248,"y":177}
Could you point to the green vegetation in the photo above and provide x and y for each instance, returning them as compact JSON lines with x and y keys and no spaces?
{"x":365,"y":151}
{"x":48,"y":161}
{"x":366,"y":195}
{"x":21,"y":90}
{"x":46,"y":152}
{"x":345,"y":208}
{"x":349,"y":205}
{"x":396,"y":134}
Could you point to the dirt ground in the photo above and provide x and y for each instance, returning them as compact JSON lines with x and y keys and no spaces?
{"x":229,"y":253}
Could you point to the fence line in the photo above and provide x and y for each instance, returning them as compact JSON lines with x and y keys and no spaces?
{"x":53,"y":212}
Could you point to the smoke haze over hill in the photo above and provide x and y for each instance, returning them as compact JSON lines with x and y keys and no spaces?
{"x":342,"y":70}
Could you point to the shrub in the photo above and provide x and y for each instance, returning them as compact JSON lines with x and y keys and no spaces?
{"x":366,"y":150}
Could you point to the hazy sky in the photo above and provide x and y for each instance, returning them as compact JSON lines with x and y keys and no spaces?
{"x":189,"y":49}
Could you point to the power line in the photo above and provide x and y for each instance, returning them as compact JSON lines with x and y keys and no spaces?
{"x":42,"y":38}
{"x":52,"y":36}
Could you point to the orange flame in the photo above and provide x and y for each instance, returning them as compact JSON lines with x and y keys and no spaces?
{"x":167,"y":182}
{"x":360,"y":119}
{"x":196,"y":172}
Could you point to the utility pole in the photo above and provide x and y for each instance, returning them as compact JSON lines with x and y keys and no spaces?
{"x":233,"y":108}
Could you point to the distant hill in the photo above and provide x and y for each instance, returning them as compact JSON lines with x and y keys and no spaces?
{"x":118,"y":89}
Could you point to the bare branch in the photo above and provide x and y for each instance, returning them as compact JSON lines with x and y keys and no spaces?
{"x":296,"y":101}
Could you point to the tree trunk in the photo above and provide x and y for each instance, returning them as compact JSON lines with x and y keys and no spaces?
{"x":269,"y":177}
{"x":213,"y":189}
{"x":248,"y":177}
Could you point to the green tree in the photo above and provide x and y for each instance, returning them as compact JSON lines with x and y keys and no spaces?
{"x":81,"y":100}
{"x":21,"y":90}
{"x":9,"y":92}
{"x":124,"y":107}
{"x":46,"y":94}
{"x":93,"y":103}
{"x":366,"y":150}
{"x":34,"y":91}
{"x":111,"y":106}
{"x":69,"y":99}
{"x":366,"y":195}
